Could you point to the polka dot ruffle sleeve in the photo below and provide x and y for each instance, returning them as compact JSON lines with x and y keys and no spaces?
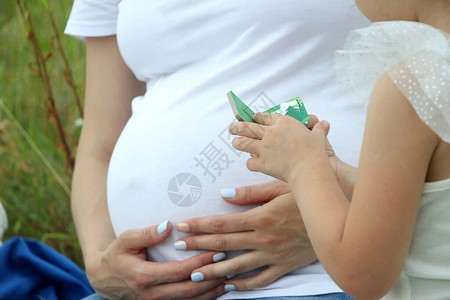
{"x":417,"y":58}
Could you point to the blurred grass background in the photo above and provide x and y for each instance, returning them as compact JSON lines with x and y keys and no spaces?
{"x":35,"y":178}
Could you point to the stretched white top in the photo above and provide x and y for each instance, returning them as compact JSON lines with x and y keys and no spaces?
{"x":175,"y":154}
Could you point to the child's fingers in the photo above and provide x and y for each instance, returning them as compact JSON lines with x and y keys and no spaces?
{"x":323,"y":127}
{"x":246,"y":144}
{"x":313,"y":121}
{"x":265,"y":118}
{"x":247,"y":129}
{"x":254,"y":164}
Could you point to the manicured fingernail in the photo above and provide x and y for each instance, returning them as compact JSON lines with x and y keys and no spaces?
{"x":180,"y":245}
{"x":228,"y":193}
{"x":183,"y":227}
{"x":162,"y":227}
{"x":229,"y":287}
{"x":197,"y":276}
{"x":218,"y":256}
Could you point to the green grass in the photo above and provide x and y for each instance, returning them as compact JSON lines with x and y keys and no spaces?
{"x":35,"y":179}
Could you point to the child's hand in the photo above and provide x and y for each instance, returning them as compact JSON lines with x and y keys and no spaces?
{"x":278,"y":144}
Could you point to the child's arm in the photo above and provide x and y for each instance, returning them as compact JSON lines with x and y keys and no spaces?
{"x":363,"y":245}
{"x":345,"y":173}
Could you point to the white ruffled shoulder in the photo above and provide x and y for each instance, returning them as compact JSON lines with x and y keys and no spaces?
{"x":417,"y":58}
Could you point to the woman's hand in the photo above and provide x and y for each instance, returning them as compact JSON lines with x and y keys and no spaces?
{"x":273,"y":233}
{"x":122,"y":271}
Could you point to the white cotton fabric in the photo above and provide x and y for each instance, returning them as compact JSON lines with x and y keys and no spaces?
{"x":93,"y":18}
{"x":426,"y":275}
{"x":3,"y":222}
{"x":175,"y":154}
{"x":417,"y":58}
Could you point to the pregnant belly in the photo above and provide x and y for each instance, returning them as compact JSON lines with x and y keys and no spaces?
{"x":173,"y":171}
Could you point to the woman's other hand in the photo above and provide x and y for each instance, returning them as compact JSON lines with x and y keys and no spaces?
{"x":122,"y":271}
{"x":274,"y":233}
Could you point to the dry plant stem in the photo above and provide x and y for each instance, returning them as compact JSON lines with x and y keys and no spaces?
{"x":68,"y":72}
{"x":43,"y":74}
{"x":33,"y":146}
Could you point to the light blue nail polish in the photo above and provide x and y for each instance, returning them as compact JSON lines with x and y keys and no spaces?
{"x":218,"y":256}
{"x":228,"y":193}
{"x":180,"y":245}
{"x":197,"y":276}
{"x":229,"y":287}
{"x":162,"y":227}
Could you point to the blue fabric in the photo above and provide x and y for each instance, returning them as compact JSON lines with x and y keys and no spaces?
{"x":31,"y":270}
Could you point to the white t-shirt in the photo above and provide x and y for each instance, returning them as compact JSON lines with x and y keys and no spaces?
{"x":175,"y":154}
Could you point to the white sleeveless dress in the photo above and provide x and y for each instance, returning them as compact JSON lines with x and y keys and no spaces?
{"x":417,"y":58}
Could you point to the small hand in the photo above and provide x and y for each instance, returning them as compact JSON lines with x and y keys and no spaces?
{"x":345,"y":173}
{"x":122,"y":271}
{"x":278,"y":144}
{"x":273,"y":233}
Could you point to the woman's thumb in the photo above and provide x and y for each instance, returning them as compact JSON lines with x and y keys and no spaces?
{"x":323,"y":127}
{"x":145,"y":237}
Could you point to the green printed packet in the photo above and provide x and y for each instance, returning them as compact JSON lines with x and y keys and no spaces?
{"x":293,"y":108}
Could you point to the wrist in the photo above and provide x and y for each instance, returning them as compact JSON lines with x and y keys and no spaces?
{"x":92,"y":259}
{"x":346,"y":176}
{"x":302,"y":168}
